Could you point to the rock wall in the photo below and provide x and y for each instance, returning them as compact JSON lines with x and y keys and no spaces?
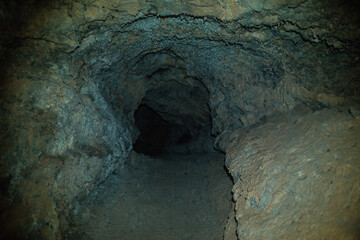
{"x":59,"y":142}
{"x":73,"y":73}
{"x":297,"y":177}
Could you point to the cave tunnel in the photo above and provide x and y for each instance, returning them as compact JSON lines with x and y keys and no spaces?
{"x":157,"y":135}
{"x":212,"y":119}
{"x":154,"y":131}
{"x":173,"y":115}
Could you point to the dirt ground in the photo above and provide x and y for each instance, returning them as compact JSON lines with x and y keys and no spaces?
{"x":172,"y":197}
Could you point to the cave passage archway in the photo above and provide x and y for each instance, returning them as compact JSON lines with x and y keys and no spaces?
{"x":173,"y":117}
{"x":157,"y":134}
{"x":172,"y":112}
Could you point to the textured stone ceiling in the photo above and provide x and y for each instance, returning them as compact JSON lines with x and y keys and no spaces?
{"x":262,"y":57}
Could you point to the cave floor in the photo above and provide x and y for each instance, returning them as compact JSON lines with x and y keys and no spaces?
{"x":172,"y":197}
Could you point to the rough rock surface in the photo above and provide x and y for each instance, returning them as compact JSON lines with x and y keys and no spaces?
{"x":73,"y":73}
{"x":298,"y":178}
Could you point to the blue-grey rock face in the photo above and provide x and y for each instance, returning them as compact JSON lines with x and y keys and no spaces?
{"x":74,"y":72}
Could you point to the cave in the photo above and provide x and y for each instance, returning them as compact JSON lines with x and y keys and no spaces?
{"x":156,"y":135}
{"x":154,"y":132}
{"x":211,"y":119}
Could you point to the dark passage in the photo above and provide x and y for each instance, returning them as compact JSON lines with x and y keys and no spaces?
{"x":157,"y":134}
{"x":173,"y":186}
{"x":154,"y":131}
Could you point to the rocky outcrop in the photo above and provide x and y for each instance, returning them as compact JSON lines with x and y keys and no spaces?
{"x":297,"y":178}
{"x":74,"y":72}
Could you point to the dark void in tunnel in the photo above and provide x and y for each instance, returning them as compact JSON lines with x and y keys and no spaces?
{"x":156,"y":134}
